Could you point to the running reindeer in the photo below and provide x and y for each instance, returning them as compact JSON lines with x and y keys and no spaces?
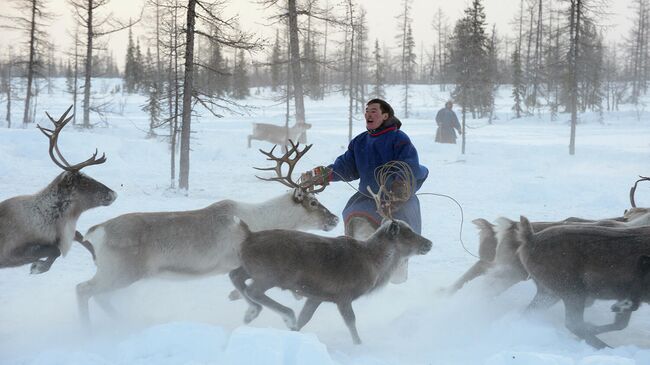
{"x":323,"y":269}
{"x":36,"y":229}
{"x":498,"y":245}
{"x":198,"y":242}
{"x":576,"y":263}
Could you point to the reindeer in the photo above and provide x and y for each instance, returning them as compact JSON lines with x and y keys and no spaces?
{"x":135,"y":246}
{"x":36,"y":229}
{"x":579,"y":262}
{"x":322,"y":269}
{"x":498,"y":245}
{"x":278,"y":134}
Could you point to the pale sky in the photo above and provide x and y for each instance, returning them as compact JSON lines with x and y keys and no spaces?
{"x":381,"y":19}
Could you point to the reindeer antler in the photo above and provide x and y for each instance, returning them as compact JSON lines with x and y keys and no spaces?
{"x":291,"y":162}
{"x":53,"y":136}
{"x":633,"y":189}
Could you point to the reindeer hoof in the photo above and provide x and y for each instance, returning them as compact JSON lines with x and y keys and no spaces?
{"x":290,"y":321}
{"x":234,"y":295}
{"x":39,"y":267}
{"x":252,"y":312}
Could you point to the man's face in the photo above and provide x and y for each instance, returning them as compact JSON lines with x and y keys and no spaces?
{"x":374,"y":116}
{"x":449,"y":105}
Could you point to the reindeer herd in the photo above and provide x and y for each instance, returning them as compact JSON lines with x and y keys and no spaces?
{"x":261,"y":246}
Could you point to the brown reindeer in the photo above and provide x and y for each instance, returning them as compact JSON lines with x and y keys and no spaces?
{"x":576,"y":263}
{"x":36,"y":229}
{"x":322,"y":269}
{"x":498,"y":247}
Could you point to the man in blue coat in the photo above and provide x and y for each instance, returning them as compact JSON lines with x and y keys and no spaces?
{"x":447,"y":121}
{"x":382,"y":142}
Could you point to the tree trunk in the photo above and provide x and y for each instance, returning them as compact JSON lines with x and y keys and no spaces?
{"x":88,"y":70}
{"x":464,"y":112}
{"x":8,"y":90}
{"x":183,"y":182}
{"x":296,"y":71}
{"x":575,"y":27}
{"x":75,"y":87}
{"x":351,"y":78}
{"x":30,"y":65}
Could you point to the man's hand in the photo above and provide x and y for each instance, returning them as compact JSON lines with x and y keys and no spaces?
{"x":319,"y":175}
{"x":399,"y":190}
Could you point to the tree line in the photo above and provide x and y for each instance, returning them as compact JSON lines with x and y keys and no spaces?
{"x":556,"y":60}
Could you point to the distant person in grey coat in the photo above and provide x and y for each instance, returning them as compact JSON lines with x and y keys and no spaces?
{"x":447,"y":121}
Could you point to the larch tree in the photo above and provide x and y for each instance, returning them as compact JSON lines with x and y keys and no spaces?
{"x":638,"y":48}
{"x":208,"y":14}
{"x":406,"y":45}
{"x":96,"y":26}
{"x":31,"y":19}
{"x":517,"y":83}
{"x":378,"y":80}
{"x":6,"y":85}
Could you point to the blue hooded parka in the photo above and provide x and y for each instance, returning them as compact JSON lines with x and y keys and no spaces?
{"x":365,"y":153}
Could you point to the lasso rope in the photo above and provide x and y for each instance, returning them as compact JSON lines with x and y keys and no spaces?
{"x":402,"y":183}
{"x":462,"y":219}
{"x":401,"y":170}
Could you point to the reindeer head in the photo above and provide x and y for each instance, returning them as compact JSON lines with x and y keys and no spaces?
{"x":399,"y":234}
{"x":302,"y":194}
{"x":72,"y":185}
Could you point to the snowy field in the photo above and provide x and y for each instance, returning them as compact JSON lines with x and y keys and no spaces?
{"x":511,"y":167}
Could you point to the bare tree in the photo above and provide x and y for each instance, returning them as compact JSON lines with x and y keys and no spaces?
{"x":6,"y":84}
{"x":639,"y":43}
{"x":31,"y":19}
{"x":405,"y":43}
{"x":441,"y":27}
{"x":87,"y":15}
{"x":231,"y":36}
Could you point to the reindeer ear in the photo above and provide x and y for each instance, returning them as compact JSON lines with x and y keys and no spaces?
{"x":298,"y":195}
{"x":393,"y":229}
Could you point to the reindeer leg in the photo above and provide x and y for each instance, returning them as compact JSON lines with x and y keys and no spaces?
{"x":104,"y":302}
{"x":478,"y":269}
{"x":256,"y":293}
{"x":98,"y":287}
{"x":34,"y":252}
{"x":621,"y":321}
{"x":345,"y":308}
{"x":238,"y":278}
{"x":574,"y":307}
{"x":307,"y":312}
{"x":543,"y":299}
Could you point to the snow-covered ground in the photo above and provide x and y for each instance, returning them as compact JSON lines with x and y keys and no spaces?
{"x":511,"y":167}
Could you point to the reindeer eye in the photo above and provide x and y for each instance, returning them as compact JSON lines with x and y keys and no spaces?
{"x":313,"y":203}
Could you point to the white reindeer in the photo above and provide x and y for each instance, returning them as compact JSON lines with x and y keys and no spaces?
{"x":134,"y":246}
{"x":278,"y":134}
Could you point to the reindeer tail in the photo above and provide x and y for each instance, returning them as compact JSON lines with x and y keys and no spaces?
{"x":242,"y":225}
{"x":524,"y":231}
{"x":89,"y":246}
{"x":487,"y":239}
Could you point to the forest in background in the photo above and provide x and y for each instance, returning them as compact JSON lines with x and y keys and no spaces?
{"x":192,"y":54}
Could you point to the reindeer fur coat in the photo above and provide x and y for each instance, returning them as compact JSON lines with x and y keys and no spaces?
{"x":365,"y":153}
